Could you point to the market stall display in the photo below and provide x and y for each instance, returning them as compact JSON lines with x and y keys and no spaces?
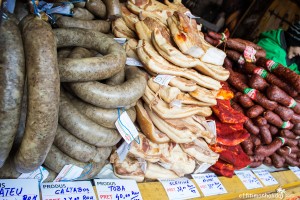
{"x":62,"y":126}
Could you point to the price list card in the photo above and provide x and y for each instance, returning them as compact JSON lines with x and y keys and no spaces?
{"x":248,"y":179}
{"x":19,"y":189}
{"x":117,"y":189}
{"x":209,"y":184}
{"x":78,"y":190}
{"x":266,"y":178}
{"x":181,"y":188}
{"x":296,"y":171}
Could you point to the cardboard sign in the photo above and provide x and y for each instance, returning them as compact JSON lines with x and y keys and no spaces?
{"x":180,"y":188}
{"x":19,"y":189}
{"x":248,"y":179}
{"x":209,"y":184}
{"x":79,"y":190}
{"x":119,"y":189}
{"x":296,"y":171}
{"x":265,"y":177}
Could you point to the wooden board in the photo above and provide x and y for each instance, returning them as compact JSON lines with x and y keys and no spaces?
{"x":287,"y":180}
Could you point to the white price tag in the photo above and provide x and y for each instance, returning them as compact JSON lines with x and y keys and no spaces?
{"x":41,"y":174}
{"x":202,"y":168}
{"x":265,"y":176}
{"x":68,"y":173}
{"x":19,"y":189}
{"x":163,"y":79}
{"x":180,"y":188}
{"x":248,"y":179}
{"x":121,"y":41}
{"x":126,"y":128}
{"x":190,"y":15}
{"x":117,"y":189}
{"x":296,"y":170}
{"x":123,"y":150}
{"x":133,"y":62}
{"x":212,"y":126}
{"x":209,"y":184}
{"x":79,"y":190}
{"x":176,"y":103}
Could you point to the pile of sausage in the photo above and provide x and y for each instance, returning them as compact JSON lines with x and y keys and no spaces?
{"x":60,"y":94}
{"x":267,"y":93}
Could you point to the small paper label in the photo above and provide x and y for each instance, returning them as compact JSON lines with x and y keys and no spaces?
{"x":41,"y":174}
{"x":271,"y":65}
{"x":163,"y":79}
{"x":251,"y":93}
{"x":126,"y":128}
{"x":143,"y":164}
{"x":64,"y":9}
{"x":296,"y":171}
{"x":117,"y":189}
{"x":209,"y":184}
{"x":212,"y":126}
{"x":121,"y":41}
{"x":265,"y":176}
{"x":180,"y":188}
{"x":123,"y":150}
{"x":261,"y":72}
{"x":190,"y":15}
{"x":133,"y":62}
{"x":19,"y":189}
{"x":202,"y":168}
{"x":248,"y":179}
{"x":78,"y":190}
{"x":249,"y":54}
{"x":68,"y":173}
{"x":176,"y":103}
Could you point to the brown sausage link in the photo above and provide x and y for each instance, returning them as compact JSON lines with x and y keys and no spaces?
{"x":291,"y":161}
{"x":97,"y":7}
{"x":82,"y":13}
{"x":274,"y":119}
{"x":261,"y":121}
{"x":12,"y":75}
{"x":255,"y":111}
{"x":257,"y":82}
{"x":113,"y":9}
{"x":250,"y":68}
{"x":276,"y":94}
{"x":284,"y":113}
{"x":277,"y":160}
{"x":250,"y":127}
{"x":240,"y":46}
{"x":235,"y":56}
{"x":248,"y":146}
{"x":256,"y":140}
{"x":43,"y":94}
{"x":267,"y":161}
{"x":290,"y":142}
{"x":269,"y":149}
{"x":288,"y":134}
{"x":295,"y":118}
{"x":265,"y":134}
{"x":273,"y":130}
{"x":89,"y":69}
{"x":282,"y":72}
{"x":255,"y":164}
{"x":246,"y":101}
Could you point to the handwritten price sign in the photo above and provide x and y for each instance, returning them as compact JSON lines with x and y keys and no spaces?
{"x":79,"y":190}
{"x":248,"y":179}
{"x":117,"y":189}
{"x":209,"y":184}
{"x":265,"y":177}
{"x":181,"y":188}
{"x":296,"y":170}
{"x":19,"y":189}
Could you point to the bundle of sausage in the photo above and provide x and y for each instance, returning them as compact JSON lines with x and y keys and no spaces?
{"x":85,"y":108}
{"x":267,"y":93}
{"x":174,"y":132}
